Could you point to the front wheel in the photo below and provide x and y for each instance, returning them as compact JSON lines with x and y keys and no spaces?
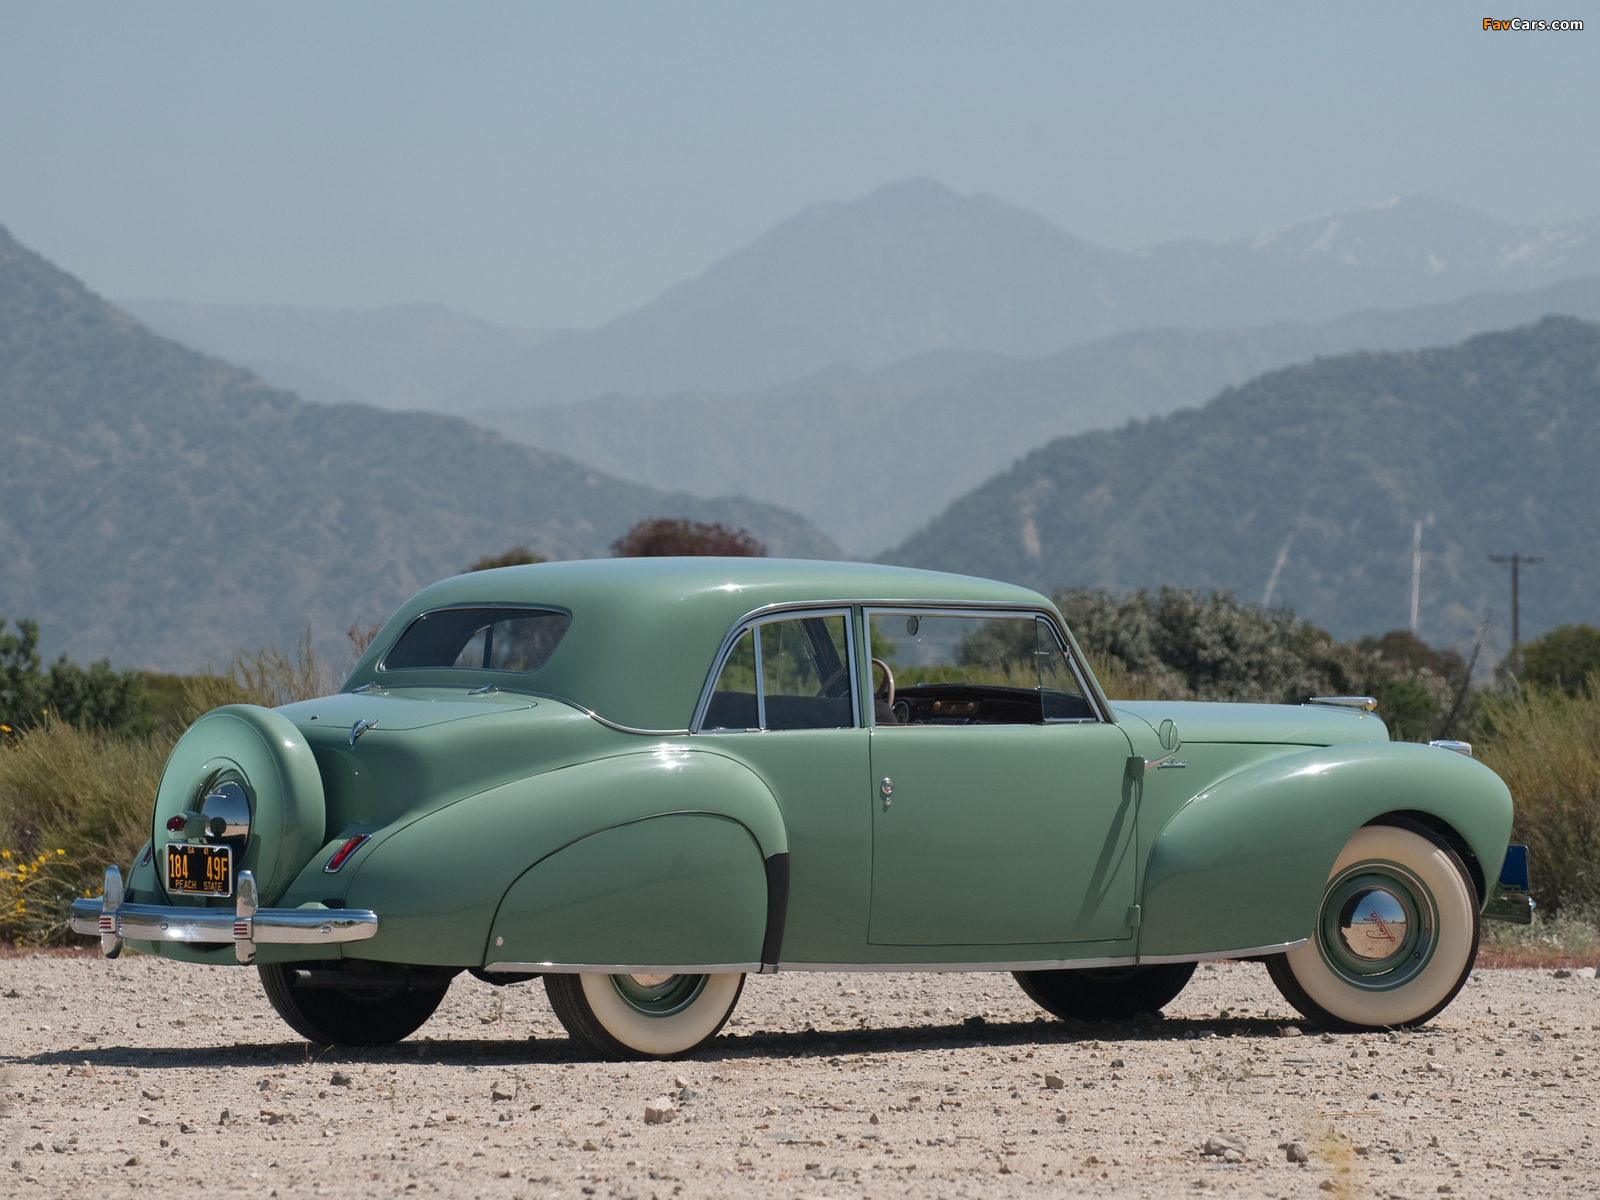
{"x":1106,"y":993}
{"x":643,"y":1016}
{"x":1395,"y":938}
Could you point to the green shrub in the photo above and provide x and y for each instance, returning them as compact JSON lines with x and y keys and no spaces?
{"x":1562,"y":658}
{"x":1546,"y":745}
{"x":71,"y":801}
{"x":94,"y":696}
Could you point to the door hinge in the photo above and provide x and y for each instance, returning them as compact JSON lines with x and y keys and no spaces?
{"x":1133,"y":916}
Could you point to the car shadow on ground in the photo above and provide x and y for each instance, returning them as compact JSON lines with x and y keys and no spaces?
{"x":973,"y":1032}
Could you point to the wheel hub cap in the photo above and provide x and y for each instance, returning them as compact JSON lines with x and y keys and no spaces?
{"x":659,"y":995}
{"x":1378,"y":925}
{"x":1374,"y":924}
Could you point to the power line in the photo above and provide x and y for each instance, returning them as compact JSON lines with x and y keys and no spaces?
{"x":1517,"y":561}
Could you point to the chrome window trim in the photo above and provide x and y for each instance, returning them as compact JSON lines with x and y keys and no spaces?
{"x":911,"y":608}
{"x":536,"y":608}
{"x":764,"y":616}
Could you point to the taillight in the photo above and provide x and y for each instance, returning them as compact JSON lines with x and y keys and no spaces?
{"x":176,"y":824}
{"x":345,"y":851}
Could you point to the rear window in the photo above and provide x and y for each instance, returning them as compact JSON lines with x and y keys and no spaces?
{"x":519,"y":640}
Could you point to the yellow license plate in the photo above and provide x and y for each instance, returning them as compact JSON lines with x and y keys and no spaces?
{"x":200,"y":870}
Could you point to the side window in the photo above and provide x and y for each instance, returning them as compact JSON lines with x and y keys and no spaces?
{"x":953,"y":669}
{"x":1059,"y":691}
{"x":733,"y":703}
{"x":786,"y":674}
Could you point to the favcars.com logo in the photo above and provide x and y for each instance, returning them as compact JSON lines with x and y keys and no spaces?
{"x":1518,"y":24}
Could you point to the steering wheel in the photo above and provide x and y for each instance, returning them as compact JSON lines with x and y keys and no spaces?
{"x":887,"y":690}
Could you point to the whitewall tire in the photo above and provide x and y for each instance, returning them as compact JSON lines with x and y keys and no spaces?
{"x":1396,"y":934}
{"x":643,"y":1016}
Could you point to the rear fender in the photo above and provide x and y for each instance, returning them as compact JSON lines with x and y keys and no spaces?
{"x":1244,"y":864}
{"x":437,"y":882}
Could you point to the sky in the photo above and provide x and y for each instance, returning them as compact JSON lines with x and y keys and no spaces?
{"x":558,"y":164}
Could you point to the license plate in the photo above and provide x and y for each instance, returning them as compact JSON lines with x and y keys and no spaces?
{"x":200,"y":870}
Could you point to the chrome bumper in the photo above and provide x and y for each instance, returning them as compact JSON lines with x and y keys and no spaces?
{"x":246,"y":926}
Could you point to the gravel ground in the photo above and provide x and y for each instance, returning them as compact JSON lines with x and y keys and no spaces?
{"x":142,"y":1074}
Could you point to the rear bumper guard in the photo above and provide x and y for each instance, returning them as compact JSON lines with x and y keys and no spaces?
{"x":247,"y":926}
{"x":1510,"y":898}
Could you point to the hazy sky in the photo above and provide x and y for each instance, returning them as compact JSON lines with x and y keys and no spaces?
{"x":558,"y":164}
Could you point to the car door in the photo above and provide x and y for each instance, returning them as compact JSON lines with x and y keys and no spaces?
{"x":1003,"y":809}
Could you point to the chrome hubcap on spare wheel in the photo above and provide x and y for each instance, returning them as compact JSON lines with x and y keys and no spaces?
{"x":1378,"y":925}
{"x":659,"y":995}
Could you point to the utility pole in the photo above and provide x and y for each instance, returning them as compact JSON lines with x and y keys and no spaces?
{"x":1416,"y":574}
{"x":1517,"y":561}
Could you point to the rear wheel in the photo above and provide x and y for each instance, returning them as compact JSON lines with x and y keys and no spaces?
{"x":643,"y":1016}
{"x":1395,"y":938}
{"x":385,"y":1003}
{"x":1106,"y":993}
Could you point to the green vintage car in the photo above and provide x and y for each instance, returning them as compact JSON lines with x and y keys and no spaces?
{"x":643,"y":780}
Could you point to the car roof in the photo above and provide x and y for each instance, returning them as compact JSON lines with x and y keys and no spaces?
{"x":645,"y":630}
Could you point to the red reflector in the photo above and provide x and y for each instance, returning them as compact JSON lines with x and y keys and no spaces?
{"x":345,"y":851}
{"x":175,"y":824}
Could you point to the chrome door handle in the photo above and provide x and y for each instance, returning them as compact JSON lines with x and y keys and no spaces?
{"x":887,"y":788}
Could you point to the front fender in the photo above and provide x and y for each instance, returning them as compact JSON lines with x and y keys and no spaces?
{"x":1245,"y":863}
{"x":437,"y":881}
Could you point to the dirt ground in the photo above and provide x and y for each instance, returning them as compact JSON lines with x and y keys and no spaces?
{"x":143,"y":1074}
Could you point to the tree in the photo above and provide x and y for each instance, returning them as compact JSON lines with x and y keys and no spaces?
{"x":1563,"y":658}
{"x":94,"y":696}
{"x":666,"y":537}
{"x":522,"y":556}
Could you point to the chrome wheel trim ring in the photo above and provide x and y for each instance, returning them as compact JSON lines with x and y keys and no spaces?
{"x":659,"y":995}
{"x":1377,"y":902}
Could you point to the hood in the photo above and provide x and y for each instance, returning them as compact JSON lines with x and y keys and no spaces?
{"x":1274,"y":724}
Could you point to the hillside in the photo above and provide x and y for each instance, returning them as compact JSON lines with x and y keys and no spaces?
{"x":164,"y":508}
{"x":870,"y":456}
{"x":915,"y":267}
{"x":1311,"y":477}
{"x":406,"y":356}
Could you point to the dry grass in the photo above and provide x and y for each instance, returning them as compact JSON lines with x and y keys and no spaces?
{"x":1546,"y":746}
{"x":1566,"y":940}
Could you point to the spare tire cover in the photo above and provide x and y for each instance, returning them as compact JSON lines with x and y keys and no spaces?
{"x":263,"y":750}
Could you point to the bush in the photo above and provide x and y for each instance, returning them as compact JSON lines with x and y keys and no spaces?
{"x":663,"y":537}
{"x":71,"y":801}
{"x":94,"y":696}
{"x":1563,"y":658}
{"x":1546,"y":745}
{"x":1181,"y":645}
{"x":521,"y":556}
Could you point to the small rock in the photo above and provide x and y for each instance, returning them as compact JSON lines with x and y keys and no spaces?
{"x":679,"y":1081}
{"x":86,"y":1071}
{"x":132,"y":1162}
{"x":152,"y":1093}
{"x":1374,"y":1096}
{"x":266,"y":1085}
{"x":283,"y":1119}
{"x":660,"y":1112}
{"x":589,"y":1145}
{"x":227,"y":1115}
{"x":13,"y":994}
{"x":1054,"y":1081}
{"x":1218,"y":1145}
{"x":1116,"y":1063}
{"x":59,"y":1147}
{"x":1444,"y":1189}
{"x":1327,"y":1185}
{"x":498,"y":1093}
{"x":1392,"y":1038}
{"x":873,"y":1120}
{"x":1288,"y":1031}
{"x":1563,"y":973}
{"x":340,"y":1079}
{"x":1005,"y":1167}
{"x":146,"y":1119}
{"x":1296,"y":1153}
{"x":185,"y":1127}
{"x":1536,"y":1037}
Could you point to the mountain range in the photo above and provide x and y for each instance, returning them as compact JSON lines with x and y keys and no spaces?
{"x":868,"y":282}
{"x":165,"y":508}
{"x":1303,"y":487}
{"x":869,"y":456}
